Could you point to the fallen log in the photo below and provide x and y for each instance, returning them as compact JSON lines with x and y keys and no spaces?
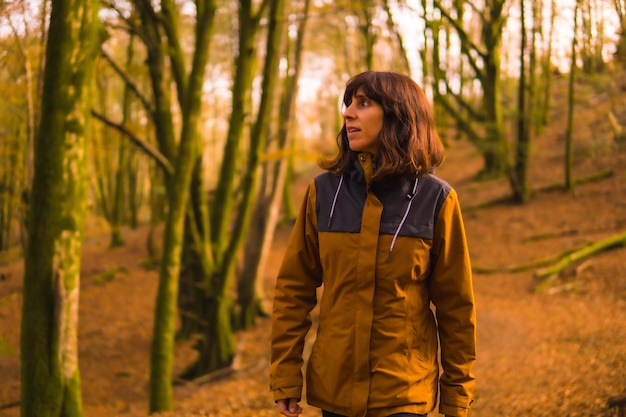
{"x":578,"y":255}
{"x":523,"y":267}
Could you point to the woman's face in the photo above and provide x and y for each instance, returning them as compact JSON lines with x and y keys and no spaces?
{"x":363,"y":119}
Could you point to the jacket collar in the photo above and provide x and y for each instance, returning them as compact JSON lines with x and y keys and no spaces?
{"x":365,"y":167}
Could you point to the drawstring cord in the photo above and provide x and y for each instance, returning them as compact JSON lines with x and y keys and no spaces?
{"x":406,"y":213}
{"x":332,"y":209}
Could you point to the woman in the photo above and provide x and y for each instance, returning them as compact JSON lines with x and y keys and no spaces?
{"x":385,"y":237}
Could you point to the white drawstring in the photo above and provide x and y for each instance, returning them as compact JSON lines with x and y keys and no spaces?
{"x":332,"y":209}
{"x":406,"y":213}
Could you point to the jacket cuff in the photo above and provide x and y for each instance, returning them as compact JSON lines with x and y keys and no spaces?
{"x":288,"y":392}
{"x":458,"y":408}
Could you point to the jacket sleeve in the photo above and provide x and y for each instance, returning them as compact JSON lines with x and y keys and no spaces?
{"x":452,"y":294}
{"x":294,"y":297}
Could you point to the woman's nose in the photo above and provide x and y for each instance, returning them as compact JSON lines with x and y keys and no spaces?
{"x":347,"y":112}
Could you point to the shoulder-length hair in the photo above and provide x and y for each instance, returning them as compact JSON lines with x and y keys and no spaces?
{"x":408,"y":144}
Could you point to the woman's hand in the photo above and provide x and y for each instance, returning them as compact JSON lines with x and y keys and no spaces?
{"x":289,"y":407}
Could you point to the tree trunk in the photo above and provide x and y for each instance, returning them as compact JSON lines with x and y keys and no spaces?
{"x":219,"y":292}
{"x":162,"y":116}
{"x":157,"y":204}
{"x":190,"y":94}
{"x":289,"y":205}
{"x":249,"y":297}
{"x":162,"y":351}
{"x":484,"y":60}
{"x":569,"y":180}
{"x":542,"y":115}
{"x":198,"y":264}
{"x":267,"y":212}
{"x":10,"y":192}
{"x":118,"y":205}
{"x":215,"y":234}
{"x":221,"y":220}
{"x":620,"y":50}
{"x":368,"y":32}
{"x":49,"y":345}
{"x":393,"y":27}
{"x":495,"y":147}
{"x":216,"y":345}
{"x":135,"y":172}
{"x":518,"y":175}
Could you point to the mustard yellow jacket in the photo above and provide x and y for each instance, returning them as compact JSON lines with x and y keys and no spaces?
{"x":383,"y":252}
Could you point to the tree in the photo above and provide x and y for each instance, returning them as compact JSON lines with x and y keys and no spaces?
{"x":569,"y":174}
{"x":365,"y":12}
{"x":591,"y":36}
{"x":49,"y":346}
{"x":215,"y":345}
{"x":620,"y":52}
{"x":518,"y":174}
{"x":268,"y":202}
{"x":395,"y":30}
{"x":20,"y":86}
{"x":189,"y":88}
{"x":203,"y":310}
{"x":483,"y":56}
{"x":109,"y":160}
{"x":119,"y":176}
{"x":177,"y":155}
{"x":542,"y":116}
{"x":210,"y":245}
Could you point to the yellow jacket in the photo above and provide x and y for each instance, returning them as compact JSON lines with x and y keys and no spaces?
{"x":383,"y":253}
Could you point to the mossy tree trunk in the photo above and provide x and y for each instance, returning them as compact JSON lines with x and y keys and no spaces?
{"x":270,"y":196}
{"x":189,"y":91}
{"x":495,"y":149}
{"x":122,"y":177}
{"x":216,"y":345}
{"x":50,"y":376}
{"x":289,"y":205}
{"x":211,"y":239}
{"x":518,"y":174}
{"x":245,"y":63}
{"x":210,"y":232}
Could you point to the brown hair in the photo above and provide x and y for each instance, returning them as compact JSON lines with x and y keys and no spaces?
{"x":408,"y":144}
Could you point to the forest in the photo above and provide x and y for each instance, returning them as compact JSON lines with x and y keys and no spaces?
{"x":153,"y":154}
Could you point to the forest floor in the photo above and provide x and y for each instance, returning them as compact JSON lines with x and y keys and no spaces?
{"x":557,"y":352}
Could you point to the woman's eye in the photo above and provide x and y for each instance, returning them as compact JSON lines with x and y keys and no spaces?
{"x":364,"y":103}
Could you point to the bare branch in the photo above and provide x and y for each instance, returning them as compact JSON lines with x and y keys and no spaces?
{"x":169,"y":19}
{"x":474,"y":115}
{"x":463,"y":123}
{"x":459,"y":30}
{"x":148,"y":149}
{"x":128,"y":81}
